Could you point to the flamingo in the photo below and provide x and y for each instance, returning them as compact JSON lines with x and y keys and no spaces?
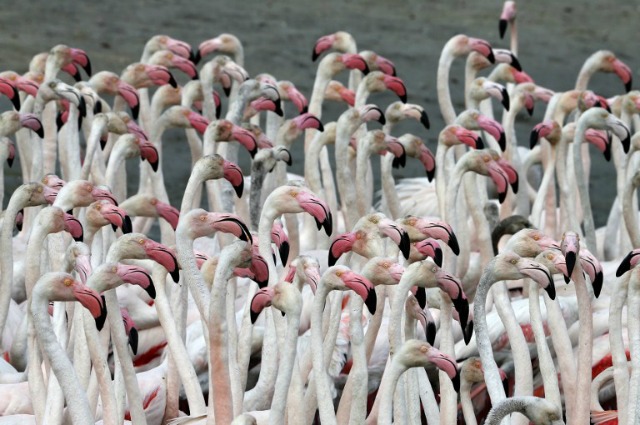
{"x":62,"y":287}
{"x":413,"y":353}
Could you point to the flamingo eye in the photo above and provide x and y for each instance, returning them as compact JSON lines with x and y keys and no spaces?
{"x":68,"y":282}
{"x":386,"y":265}
{"x":114,"y":269}
{"x":40,"y":189}
{"x":536,"y":237}
{"x":549,"y":256}
{"x":434,"y":269}
{"x":339,"y":273}
{"x":514,"y":261}
{"x":424,"y":349}
{"x":154,"y":201}
{"x":52,"y":84}
{"x":202,"y":217}
{"x":141,"y":241}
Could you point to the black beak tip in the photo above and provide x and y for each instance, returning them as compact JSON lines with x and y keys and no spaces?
{"x":172,"y":81}
{"x":320,"y":126}
{"x":502,"y":27}
{"x":626,"y":143}
{"x":453,"y":244}
{"x":278,"y":111}
{"x":456,"y":381}
{"x":607,"y":152}
{"x":154,"y":166}
{"x":515,"y":63}
{"x":424,"y":119}
{"x":82,"y":107}
{"x":218,"y":110}
{"x":127,"y":227}
{"x":431,"y":174}
{"x":284,"y":252}
{"x":627,"y":85}
{"x":502,"y":196}
{"x":135,"y":111}
{"x":405,"y":245}
{"x":597,"y":284}
{"x":479,"y":143}
{"x":175,"y":274}
{"x":15,"y":100}
{"x":59,"y":122}
{"x":371,"y":301}
{"x":328,"y":226}
{"x":505,"y":100}
{"x":87,"y":67}
{"x":625,"y":265}
{"x":533,"y":139}
{"x":332,"y":260}
{"x":403,"y":97}
{"x":100,"y":320}
{"x":438,"y":257}
{"x":133,"y":340}
{"x":382,"y":120}
{"x":262,"y":283}
{"x":491,"y":57}
{"x":97,"y":107}
{"x":254,"y":316}
{"x":10,"y":162}
{"x":502,"y":142}
{"x":194,"y":56}
{"x":570,"y":259}
{"x":421,"y":296}
{"x":468,"y":332}
{"x":430,"y":333}
{"x":314,"y":55}
{"x":366,"y":69}
{"x":551,"y":289}
{"x":226,"y":90}
{"x":515,"y":185}
{"x":462,"y":307}
{"x":80,"y":237}
{"x":151,"y":290}
{"x":530,"y":111}
{"x":239,"y":189}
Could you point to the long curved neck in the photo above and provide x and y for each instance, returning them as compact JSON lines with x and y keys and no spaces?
{"x":585,"y":199}
{"x":325,"y":401}
{"x":397,"y":308}
{"x":17,"y":201}
{"x":362,"y":166}
{"x":315,"y":102}
{"x":586,"y":72}
{"x":343,"y":173}
{"x":219,"y":377}
{"x":77,"y":401}
{"x":491,"y":374}
{"x":467,"y":405}
{"x":629,"y":213}
{"x":97,"y":128}
{"x":197,"y":285}
{"x":285,"y":370}
{"x":444,"y":95}
{"x":391,"y":377}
